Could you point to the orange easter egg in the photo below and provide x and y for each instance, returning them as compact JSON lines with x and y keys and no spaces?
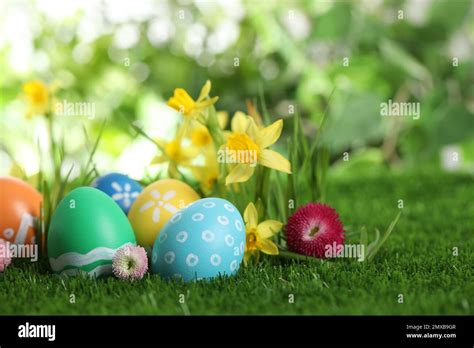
{"x":19,"y":209}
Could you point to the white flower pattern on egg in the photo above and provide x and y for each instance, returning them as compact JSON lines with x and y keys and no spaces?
{"x":124,"y":193}
{"x":159,"y":202}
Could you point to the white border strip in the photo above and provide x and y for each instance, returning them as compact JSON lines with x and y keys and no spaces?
{"x":78,"y":260}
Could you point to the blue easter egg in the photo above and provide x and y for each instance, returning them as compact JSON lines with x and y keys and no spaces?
{"x":120,"y":187}
{"x":202,"y":241}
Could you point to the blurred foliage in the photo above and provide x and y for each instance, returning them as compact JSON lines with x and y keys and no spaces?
{"x":127,"y":58}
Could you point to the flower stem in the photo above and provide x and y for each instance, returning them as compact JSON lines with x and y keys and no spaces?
{"x":52,"y":144}
{"x":261,"y":189}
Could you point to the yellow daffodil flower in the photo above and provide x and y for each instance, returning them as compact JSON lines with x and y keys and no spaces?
{"x":241,"y":122}
{"x":201,"y":140}
{"x":38,"y":96}
{"x":258,"y":234}
{"x":253,"y":112}
{"x":250,"y":144}
{"x":208,"y":174}
{"x":199,"y":135}
{"x":222,"y":118}
{"x":175,"y":154}
{"x":182,"y":102}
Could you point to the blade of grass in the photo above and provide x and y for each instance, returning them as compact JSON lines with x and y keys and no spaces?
{"x":364,"y":238}
{"x":94,"y":149}
{"x":375,"y":242}
{"x":384,"y":238}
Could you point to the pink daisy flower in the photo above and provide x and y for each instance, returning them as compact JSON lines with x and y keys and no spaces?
{"x":130,"y":263}
{"x":311,"y":228}
{"x":4,"y":259}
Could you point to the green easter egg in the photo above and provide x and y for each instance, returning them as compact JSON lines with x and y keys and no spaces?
{"x":86,"y":230}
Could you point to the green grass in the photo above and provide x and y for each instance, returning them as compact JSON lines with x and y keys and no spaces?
{"x":417,"y":261}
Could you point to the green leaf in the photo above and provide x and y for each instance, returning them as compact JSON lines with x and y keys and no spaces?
{"x":396,"y":55}
{"x":449,"y":14}
{"x":354,"y":120}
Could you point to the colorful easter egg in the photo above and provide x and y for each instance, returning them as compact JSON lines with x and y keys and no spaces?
{"x":19,"y":210}
{"x":202,"y":241}
{"x":86,"y":230}
{"x":120,"y":187}
{"x":156,"y":205}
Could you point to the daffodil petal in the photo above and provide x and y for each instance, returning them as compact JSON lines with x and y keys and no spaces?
{"x":183,"y":129}
{"x":183,"y":96}
{"x":268,"y":228}
{"x":252,"y":129}
{"x":251,"y":216}
{"x":226,"y":136}
{"x":207,"y":102}
{"x":190,"y":152}
{"x":175,"y":104}
{"x":239,"y":122}
{"x":269,"y":135}
{"x":267,"y":246}
{"x":205,"y":90}
{"x":222,"y":118}
{"x":240,"y":173}
{"x":274,"y":160}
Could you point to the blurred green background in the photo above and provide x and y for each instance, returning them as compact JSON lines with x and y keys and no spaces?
{"x":127,"y":57}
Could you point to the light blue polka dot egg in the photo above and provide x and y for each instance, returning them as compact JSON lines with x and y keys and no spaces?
{"x":202,"y":241}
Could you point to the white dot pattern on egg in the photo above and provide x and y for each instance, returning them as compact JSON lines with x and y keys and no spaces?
{"x":202,"y":241}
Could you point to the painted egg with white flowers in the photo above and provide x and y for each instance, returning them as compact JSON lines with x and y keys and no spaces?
{"x":123,"y":190}
{"x":202,"y":241}
{"x":157,"y":203}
